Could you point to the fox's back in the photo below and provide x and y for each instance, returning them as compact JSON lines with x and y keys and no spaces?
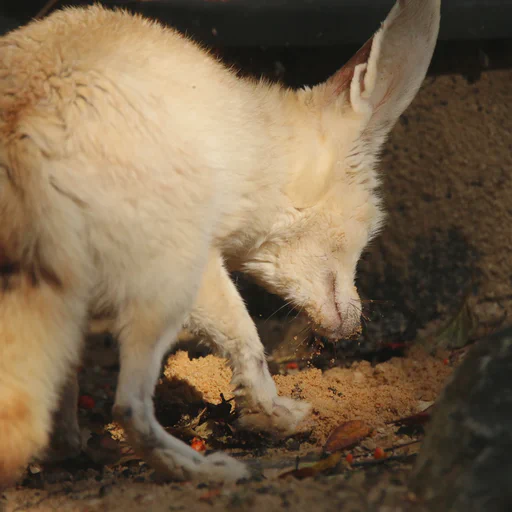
{"x":74,"y":44}
{"x":140,"y":122}
{"x":96,"y":66}
{"x":121,"y":118}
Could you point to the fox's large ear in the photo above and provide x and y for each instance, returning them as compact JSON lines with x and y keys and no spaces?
{"x":381,"y":80}
{"x":372,"y":90}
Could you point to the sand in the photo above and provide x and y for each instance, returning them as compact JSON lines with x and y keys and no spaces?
{"x":376,"y":395}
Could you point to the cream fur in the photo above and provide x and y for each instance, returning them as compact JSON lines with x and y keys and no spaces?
{"x":135,"y":169}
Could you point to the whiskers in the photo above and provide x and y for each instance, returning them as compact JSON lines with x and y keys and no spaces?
{"x":294,"y":312}
{"x":297,"y":314}
{"x":362,"y":308}
{"x":307,"y":331}
{"x":288,"y":303}
{"x":360,"y":312}
{"x":294,"y":309}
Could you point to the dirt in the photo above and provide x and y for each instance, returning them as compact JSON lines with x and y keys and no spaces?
{"x":375,"y":394}
{"x":108,"y":476}
{"x":355,"y":494}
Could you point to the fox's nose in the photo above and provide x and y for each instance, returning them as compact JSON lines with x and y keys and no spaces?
{"x":349,"y":325}
{"x":348,"y":309}
{"x":348,"y":328}
{"x":352,"y":329}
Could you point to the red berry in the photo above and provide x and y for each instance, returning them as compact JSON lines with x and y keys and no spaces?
{"x":379,"y":453}
{"x":86,"y":402}
{"x":292,"y":366}
{"x":198,"y":445}
{"x":349,"y":458}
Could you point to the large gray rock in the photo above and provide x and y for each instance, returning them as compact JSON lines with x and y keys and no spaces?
{"x":465,"y":463}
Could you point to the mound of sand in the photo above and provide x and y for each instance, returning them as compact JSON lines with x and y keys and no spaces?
{"x":376,"y":394}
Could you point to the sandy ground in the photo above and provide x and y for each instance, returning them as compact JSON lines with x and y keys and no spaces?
{"x":375,"y":395}
{"x":110,"y":477}
{"x":338,"y":492}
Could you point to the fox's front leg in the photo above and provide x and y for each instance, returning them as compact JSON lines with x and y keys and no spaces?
{"x":220,"y":313}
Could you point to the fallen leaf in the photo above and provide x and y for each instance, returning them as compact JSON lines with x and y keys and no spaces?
{"x":205,"y":430}
{"x":125,"y":460}
{"x":456,"y":333}
{"x":419,"y":419}
{"x":347,"y":435}
{"x":324,"y":465}
{"x":34,"y":469}
{"x":424,"y":405}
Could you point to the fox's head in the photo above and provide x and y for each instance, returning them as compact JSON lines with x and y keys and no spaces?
{"x":334,"y":210}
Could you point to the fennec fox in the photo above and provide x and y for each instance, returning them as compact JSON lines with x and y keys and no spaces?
{"x":136,"y":170}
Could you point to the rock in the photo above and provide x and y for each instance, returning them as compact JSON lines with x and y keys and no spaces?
{"x":465,"y":462}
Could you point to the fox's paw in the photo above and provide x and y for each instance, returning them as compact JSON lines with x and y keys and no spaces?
{"x":217,"y":467}
{"x":222,"y":467}
{"x":281,"y":421}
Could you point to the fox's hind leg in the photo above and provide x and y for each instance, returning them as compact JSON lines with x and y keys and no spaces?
{"x":65,"y":442}
{"x":41,"y":325}
{"x":147,"y":332}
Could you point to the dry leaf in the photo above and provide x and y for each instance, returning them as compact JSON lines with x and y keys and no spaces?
{"x":347,"y":435}
{"x":34,"y":469}
{"x":324,"y":465}
{"x":424,"y":405}
{"x":414,"y":420}
{"x":456,"y":333}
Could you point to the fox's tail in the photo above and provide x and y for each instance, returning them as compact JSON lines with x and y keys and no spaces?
{"x":42,"y":303}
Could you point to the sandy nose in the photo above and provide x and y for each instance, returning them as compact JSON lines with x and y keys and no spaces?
{"x":348,"y":325}
{"x":350,"y":314}
{"x":351,"y":327}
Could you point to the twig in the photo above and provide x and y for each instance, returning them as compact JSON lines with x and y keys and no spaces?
{"x":48,"y":6}
{"x":375,"y":462}
{"x":398,"y":446}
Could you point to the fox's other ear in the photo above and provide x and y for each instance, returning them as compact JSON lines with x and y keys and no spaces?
{"x":381,"y":80}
